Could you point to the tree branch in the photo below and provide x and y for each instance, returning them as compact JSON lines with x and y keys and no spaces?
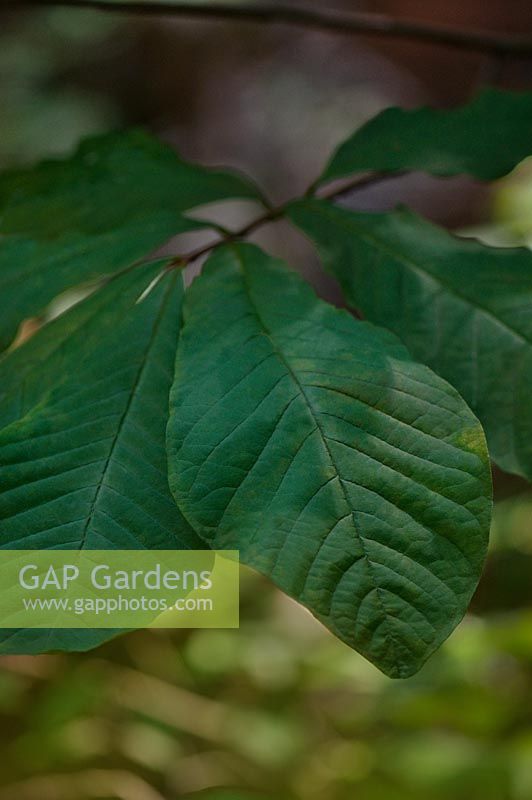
{"x":353,"y":23}
{"x":336,"y":193}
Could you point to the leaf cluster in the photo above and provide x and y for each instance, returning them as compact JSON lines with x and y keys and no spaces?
{"x":345,"y":459}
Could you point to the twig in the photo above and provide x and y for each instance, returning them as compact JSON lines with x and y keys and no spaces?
{"x":360,"y":182}
{"x":357,"y":23}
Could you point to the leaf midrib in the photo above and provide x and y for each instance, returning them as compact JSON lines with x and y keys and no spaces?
{"x":386,"y":614}
{"x":131,"y":398}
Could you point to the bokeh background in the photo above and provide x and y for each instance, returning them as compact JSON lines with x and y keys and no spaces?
{"x":278,"y":708}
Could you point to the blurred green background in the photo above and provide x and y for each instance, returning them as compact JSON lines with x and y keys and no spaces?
{"x":278,"y":708}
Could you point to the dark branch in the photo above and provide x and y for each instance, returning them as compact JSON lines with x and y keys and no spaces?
{"x":274,"y":214}
{"x":357,"y":23}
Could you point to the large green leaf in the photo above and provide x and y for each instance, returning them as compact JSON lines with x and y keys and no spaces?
{"x":68,"y":221}
{"x":486,"y":139}
{"x":83,"y":410}
{"x":355,"y":478}
{"x":463,"y":308}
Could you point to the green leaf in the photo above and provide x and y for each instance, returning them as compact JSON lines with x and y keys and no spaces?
{"x":486,"y":138}
{"x":116,"y":200}
{"x":461,"y":307}
{"x":83,"y":410}
{"x":355,"y":478}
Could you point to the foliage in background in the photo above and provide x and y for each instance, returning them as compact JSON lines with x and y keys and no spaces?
{"x":280,"y":709}
{"x":34,"y":69}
